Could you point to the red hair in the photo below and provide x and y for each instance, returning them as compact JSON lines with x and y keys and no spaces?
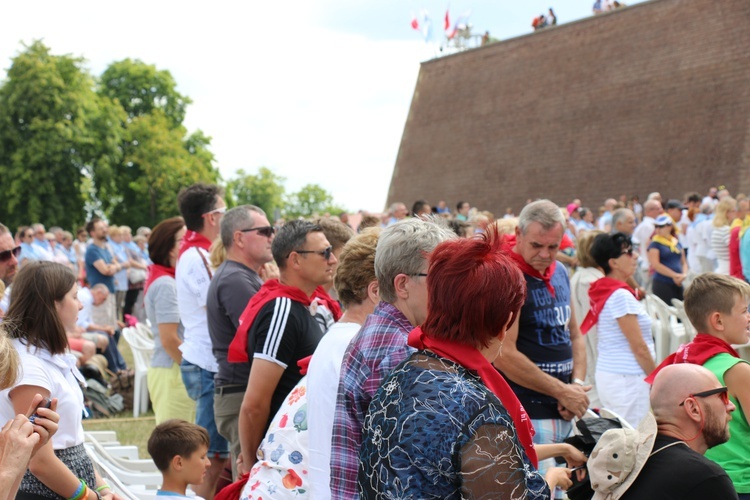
{"x":474,"y":290}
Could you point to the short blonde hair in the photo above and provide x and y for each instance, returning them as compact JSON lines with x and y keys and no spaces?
{"x":710,"y":293}
{"x":114,"y":231}
{"x":721,"y":210}
{"x":356,"y":267}
{"x":9,"y":362}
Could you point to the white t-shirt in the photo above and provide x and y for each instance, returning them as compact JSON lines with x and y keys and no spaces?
{"x":642,"y":237}
{"x":323,"y":383}
{"x":192,"y":290}
{"x":615,"y":355}
{"x":87,"y":300}
{"x":59,"y":375}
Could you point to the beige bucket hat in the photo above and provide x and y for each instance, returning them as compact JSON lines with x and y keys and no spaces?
{"x":618,"y":458}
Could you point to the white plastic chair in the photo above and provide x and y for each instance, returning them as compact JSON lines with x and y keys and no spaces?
{"x":143,"y":350}
{"x":144,"y":331}
{"x":671,"y":333}
{"x":690,"y":330}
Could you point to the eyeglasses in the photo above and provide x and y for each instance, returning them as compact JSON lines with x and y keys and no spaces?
{"x":5,"y":256}
{"x":326,"y":254}
{"x":221,"y":210}
{"x":629,"y":252}
{"x":424,"y":275}
{"x":721,"y":391}
{"x":265,"y":231}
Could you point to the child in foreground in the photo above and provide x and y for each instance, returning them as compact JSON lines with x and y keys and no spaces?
{"x":179,"y":450}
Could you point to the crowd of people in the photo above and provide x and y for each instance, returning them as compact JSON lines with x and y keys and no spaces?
{"x":431,"y":352}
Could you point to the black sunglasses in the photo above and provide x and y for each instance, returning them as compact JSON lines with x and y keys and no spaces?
{"x":326,"y":254}
{"x":5,"y":256}
{"x":265,"y":231}
{"x":629,"y":251}
{"x":722,"y":391}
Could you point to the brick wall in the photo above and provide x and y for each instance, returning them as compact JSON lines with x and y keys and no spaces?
{"x":654,"y":97}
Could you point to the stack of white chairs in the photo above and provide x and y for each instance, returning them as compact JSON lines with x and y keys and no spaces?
{"x":668,"y":332}
{"x":131,"y":477}
{"x":143,"y":349}
{"x":690,"y":330}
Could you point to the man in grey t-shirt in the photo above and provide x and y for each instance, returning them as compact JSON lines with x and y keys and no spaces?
{"x":247,"y":236}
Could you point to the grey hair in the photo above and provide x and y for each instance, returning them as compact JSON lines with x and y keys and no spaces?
{"x":403,"y":248}
{"x":544,"y":212}
{"x":36,"y":226}
{"x":100,"y":287}
{"x":618,"y":215}
{"x":240,"y":217}
{"x":141,"y":231}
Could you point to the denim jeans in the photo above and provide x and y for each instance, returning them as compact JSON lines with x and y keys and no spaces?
{"x":200,"y":387}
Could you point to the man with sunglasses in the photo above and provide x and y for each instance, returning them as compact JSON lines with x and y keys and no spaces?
{"x":202,"y":207}
{"x":247,"y":236}
{"x":717,"y":305}
{"x":692,"y":413}
{"x":277,"y":328}
{"x":9,"y":252}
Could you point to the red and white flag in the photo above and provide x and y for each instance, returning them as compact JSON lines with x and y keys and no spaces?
{"x":447,"y":20}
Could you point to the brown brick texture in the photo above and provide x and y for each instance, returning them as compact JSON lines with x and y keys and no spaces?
{"x":653,"y":97}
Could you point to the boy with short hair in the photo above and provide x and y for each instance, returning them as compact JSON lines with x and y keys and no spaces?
{"x":717,"y":305}
{"x":179,"y":450}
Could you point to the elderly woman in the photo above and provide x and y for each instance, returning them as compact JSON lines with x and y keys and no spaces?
{"x":667,"y":259}
{"x":724,"y":214}
{"x":625,"y":347}
{"x":445,"y":423}
{"x":44,"y":303}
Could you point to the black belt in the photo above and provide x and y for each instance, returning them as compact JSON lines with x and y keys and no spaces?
{"x":229,"y":389}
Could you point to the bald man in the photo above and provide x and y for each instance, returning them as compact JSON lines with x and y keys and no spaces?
{"x":692,"y":414}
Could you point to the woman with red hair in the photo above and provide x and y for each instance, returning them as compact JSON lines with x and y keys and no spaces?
{"x":444,"y":423}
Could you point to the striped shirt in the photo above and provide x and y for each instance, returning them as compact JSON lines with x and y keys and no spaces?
{"x":284,"y":331}
{"x":615,"y":354}
{"x":372,"y":355}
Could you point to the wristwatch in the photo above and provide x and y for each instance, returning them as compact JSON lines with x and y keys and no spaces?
{"x":578,"y":381}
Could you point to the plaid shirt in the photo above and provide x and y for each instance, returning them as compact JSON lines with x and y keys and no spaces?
{"x":371,"y":356}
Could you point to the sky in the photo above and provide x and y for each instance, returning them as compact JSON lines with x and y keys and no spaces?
{"x":317,"y":91}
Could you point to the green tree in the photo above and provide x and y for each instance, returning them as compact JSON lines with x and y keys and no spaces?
{"x":141,"y":88}
{"x":54,"y":129}
{"x":309,"y":201}
{"x":159,"y":158}
{"x":157,"y":163}
{"x":264,"y":189}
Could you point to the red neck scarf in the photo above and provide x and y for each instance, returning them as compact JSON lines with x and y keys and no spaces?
{"x":599,"y":292}
{"x":156,"y":271}
{"x":473,"y":360}
{"x":273,"y":289}
{"x":510,"y":243}
{"x":193,"y":239}
{"x":701,"y":349}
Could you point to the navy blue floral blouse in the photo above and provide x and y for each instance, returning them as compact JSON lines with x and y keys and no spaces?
{"x":434,"y":430}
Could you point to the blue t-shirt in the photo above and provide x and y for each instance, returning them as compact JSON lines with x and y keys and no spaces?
{"x":668,"y":258}
{"x":544,"y":338}
{"x":94,"y":277}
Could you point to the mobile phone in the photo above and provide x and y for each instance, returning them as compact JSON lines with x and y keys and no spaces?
{"x":578,"y":468}
{"x":46,"y":403}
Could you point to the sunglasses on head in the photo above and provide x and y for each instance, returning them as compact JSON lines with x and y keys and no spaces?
{"x":5,"y":256}
{"x":326,"y":254}
{"x":721,"y":391}
{"x":266,"y":231}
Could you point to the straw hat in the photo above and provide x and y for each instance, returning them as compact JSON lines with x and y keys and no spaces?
{"x":618,"y":458}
